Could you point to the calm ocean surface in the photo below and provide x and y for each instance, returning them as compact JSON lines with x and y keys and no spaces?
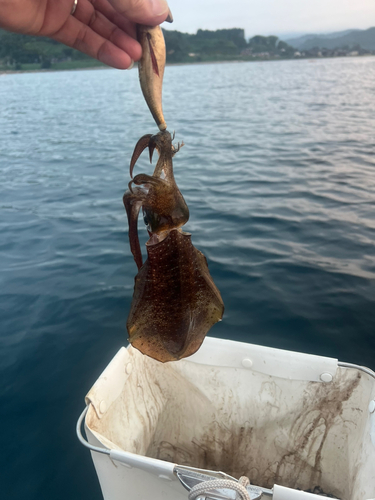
{"x":278,"y":171}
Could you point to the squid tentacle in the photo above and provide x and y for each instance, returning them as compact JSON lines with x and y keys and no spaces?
{"x":133,"y":201}
{"x":147,"y":179}
{"x":176,"y":149}
{"x":138,"y":150}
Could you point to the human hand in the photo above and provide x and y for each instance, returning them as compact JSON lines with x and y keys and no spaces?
{"x":102,"y":29}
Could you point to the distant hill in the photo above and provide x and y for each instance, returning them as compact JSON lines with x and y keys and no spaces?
{"x":204,"y":45}
{"x":221,"y":45}
{"x":16,"y":49}
{"x":349,"y":38}
{"x":298,"y":40}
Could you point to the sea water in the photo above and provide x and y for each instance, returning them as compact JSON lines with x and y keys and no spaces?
{"x":278,"y":170}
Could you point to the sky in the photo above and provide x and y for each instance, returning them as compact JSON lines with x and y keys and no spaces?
{"x":272,"y":17}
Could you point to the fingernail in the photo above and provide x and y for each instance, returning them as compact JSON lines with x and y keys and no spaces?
{"x":159,"y":7}
{"x":131,"y":65}
{"x":170,"y":17}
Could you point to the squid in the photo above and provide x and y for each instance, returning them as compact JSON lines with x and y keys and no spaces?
{"x":175,"y":300}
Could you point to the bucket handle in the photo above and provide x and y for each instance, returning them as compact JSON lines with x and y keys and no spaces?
{"x":160,"y":468}
{"x":105,"y":451}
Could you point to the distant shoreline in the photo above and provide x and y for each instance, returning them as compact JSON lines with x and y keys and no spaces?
{"x":50,"y":70}
{"x":194,"y":63}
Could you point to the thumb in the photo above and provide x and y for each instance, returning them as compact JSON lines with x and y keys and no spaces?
{"x":150,"y":12}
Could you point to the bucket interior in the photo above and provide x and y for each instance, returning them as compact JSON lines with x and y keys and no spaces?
{"x":304,"y":435}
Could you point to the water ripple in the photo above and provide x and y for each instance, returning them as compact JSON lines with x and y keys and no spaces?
{"x":279,"y":174}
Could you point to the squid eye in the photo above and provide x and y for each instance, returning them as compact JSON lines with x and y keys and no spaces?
{"x":145,"y":220}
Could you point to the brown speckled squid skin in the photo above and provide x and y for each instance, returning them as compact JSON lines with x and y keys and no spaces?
{"x":175,"y":300}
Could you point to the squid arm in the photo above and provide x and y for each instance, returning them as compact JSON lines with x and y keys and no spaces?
{"x":141,"y":145}
{"x":133,"y":201}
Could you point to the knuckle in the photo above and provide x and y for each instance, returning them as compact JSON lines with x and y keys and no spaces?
{"x":80,"y":40}
{"x":115,"y":32}
{"x":93,"y":18}
{"x":136,"y":6}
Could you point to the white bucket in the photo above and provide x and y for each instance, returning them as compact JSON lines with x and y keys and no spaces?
{"x":288,"y":421}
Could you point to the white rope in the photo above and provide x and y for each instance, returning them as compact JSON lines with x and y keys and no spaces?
{"x":245,"y":482}
{"x":203,"y":488}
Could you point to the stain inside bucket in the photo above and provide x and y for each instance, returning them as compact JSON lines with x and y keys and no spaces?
{"x":288,"y":448}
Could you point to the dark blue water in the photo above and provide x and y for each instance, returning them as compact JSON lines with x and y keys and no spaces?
{"x":279,"y":174}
